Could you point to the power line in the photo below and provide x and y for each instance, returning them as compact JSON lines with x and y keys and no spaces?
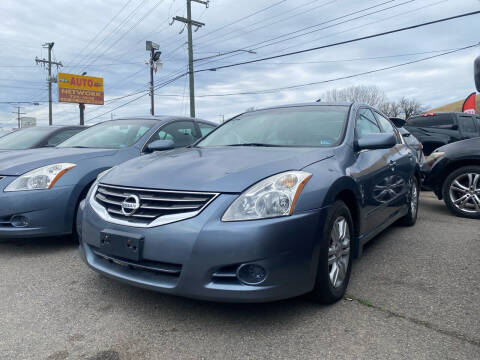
{"x":343,"y":42}
{"x":395,"y":16}
{"x":273,"y":90}
{"x":271,"y":23}
{"x":255,"y":45}
{"x":115,"y":30}
{"x":241,"y":19}
{"x":101,"y":31}
{"x":147,"y":13}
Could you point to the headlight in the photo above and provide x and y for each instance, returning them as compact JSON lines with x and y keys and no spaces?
{"x":272,"y":197}
{"x":433,"y":157}
{"x":41,"y":178}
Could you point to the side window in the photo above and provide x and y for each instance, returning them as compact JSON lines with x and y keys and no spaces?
{"x":205,"y":128}
{"x":366,"y":123}
{"x":61,"y":136}
{"x":182,"y":133}
{"x":388,"y":127}
{"x":440,"y":121}
{"x":467,"y":125}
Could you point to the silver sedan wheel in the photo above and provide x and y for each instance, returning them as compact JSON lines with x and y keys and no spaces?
{"x":465,"y":192}
{"x":339,"y":252}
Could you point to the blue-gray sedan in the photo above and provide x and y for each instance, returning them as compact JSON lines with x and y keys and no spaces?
{"x":40,"y":189}
{"x":272,"y":204}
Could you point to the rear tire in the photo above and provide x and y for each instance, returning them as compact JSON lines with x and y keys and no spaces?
{"x":461,"y":192}
{"x":411,"y":218}
{"x":335,"y":258}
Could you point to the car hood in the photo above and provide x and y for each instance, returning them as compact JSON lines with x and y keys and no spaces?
{"x":17,"y":162}
{"x":218,"y":169}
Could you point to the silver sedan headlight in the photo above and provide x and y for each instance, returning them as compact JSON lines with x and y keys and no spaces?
{"x":272,"y":197}
{"x":41,"y":178}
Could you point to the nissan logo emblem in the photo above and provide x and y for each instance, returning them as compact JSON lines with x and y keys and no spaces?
{"x":130,"y":205}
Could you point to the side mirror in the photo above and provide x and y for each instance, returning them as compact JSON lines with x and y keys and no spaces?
{"x":476,"y":70}
{"x":376,"y":141}
{"x":160,"y":145}
{"x":398,"y":122}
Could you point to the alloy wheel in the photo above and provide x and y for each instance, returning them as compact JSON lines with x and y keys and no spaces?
{"x":465,"y":192}
{"x":339,"y":252}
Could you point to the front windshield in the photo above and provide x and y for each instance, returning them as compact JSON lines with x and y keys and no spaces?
{"x":23,"y":139}
{"x":115,"y":134}
{"x":293,"y":126}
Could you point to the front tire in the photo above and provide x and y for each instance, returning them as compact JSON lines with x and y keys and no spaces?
{"x":461,"y":192}
{"x":335,"y":258}
{"x":411,"y":218}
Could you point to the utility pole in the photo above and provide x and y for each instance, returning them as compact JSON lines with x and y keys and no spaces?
{"x":18,"y":114}
{"x":154,"y":60}
{"x":50,"y":79}
{"x":198,"y":25}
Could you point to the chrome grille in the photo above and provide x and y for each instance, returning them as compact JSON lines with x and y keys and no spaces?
{"x":153,"y":203}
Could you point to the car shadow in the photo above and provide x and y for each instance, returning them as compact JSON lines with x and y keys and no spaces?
{"x":38,"y":245}
{"x":193,"y":312}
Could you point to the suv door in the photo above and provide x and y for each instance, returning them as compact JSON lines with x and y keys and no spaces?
{"x":468,"y":126}
{"x":182,"y":133}
{"x":372,"y":171}
{"x":402,"y":163}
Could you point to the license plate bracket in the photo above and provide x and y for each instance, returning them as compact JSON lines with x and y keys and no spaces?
{"x":121,"y":244}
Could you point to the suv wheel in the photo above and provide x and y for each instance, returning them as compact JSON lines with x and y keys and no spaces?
{"x":461,"y":192}
{"x":335,"y":262}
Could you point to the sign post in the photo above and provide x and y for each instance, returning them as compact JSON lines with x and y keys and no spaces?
{"x":80,"y":89}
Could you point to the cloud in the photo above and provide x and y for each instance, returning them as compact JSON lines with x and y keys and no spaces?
{"x":74,"y":26}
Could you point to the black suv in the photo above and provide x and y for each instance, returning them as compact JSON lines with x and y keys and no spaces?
{"x":438,"y":129}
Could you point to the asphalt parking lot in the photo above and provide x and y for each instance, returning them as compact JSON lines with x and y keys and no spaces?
{"x":413,"y":295}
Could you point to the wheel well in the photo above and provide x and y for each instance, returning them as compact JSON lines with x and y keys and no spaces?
{"x":349,"y":198}
{"x":82,"y":195}
{"x":457,"y":165}
{"x":451,"y":168}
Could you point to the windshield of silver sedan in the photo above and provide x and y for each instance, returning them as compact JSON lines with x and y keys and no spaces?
{"x":115,"y":134}
{"x":296,"y":126}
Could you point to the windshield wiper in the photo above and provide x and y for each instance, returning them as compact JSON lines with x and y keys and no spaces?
{"x":256,"y":144}
{"x":78,"y":147}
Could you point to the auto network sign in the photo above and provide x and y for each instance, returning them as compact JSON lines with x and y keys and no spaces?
{"x":80,"y":89}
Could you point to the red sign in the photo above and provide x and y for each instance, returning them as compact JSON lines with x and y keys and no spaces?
{"x":470,"y":104}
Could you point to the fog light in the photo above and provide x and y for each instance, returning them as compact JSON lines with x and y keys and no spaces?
{"x":251,"y":274}
{"x":19,"y":221}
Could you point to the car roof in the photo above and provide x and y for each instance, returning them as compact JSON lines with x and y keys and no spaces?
{"x":320,"y":103}
{"x":54,"y":127}
{"x":162,"y":118}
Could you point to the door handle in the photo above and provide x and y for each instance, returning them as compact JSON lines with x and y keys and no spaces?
{"x":392,"y":165}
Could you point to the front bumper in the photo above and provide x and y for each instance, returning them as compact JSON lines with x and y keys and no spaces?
{"x":197,"y":257}
{"x":49,"y":212}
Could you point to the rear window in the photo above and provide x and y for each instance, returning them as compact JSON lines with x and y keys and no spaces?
{"x":441,"y":121}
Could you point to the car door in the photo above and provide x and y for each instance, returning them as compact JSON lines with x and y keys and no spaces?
{"x":402,"y":163}
{"x":467,"y":125}
{"x":372,"y":172}
{"x":182,"y":133}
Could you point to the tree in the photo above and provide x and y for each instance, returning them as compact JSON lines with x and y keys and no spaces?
{"x":410,"y":106}
{"x":375,"y":97}
{"x":370,"y":95}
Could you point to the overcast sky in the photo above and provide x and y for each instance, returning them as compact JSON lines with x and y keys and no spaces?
{"x":107,"y":39}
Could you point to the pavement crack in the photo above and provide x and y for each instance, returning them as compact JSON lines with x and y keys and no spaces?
{"x":426,"y":324}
